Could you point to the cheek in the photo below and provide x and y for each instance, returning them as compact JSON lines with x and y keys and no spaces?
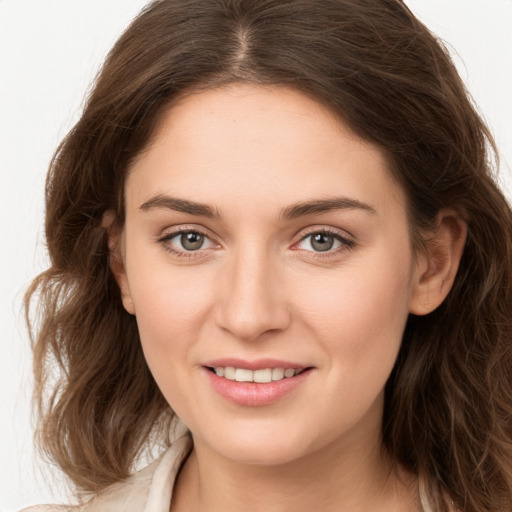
{"x":171,"y":309}
{"x":171,"y":305}
{"x":359,"y":314}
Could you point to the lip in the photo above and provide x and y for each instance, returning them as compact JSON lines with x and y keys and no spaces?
{"x":252,"y":394}
{"x":258,"y":364}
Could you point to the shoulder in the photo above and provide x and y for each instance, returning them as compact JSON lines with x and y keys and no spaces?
{"x":148,"y":489}
{"x":127,"y":495}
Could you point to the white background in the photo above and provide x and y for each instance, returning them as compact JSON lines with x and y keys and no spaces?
{"x":49,"y":52}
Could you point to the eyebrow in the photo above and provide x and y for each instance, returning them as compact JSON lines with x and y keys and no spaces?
{"x":180,"y":205}
{"x":293,"y":211}
{"x":324,"y":205}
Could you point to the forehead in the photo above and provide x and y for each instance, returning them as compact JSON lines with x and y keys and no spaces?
{"x":257,"y":143}
{"x":286,"y":113}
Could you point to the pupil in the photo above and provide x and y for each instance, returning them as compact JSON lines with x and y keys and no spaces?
{"x":322,"y":242}
{"x":192,"y":241}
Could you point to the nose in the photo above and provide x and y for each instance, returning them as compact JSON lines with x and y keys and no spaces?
{"x":253,"y":301}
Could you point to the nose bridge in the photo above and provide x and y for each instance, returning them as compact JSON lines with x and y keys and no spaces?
{"x":253,"y":302}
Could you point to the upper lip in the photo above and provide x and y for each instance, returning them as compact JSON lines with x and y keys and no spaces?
{"x":257,"y":364}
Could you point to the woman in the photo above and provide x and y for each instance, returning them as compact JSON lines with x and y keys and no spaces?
{"x":276,"y":221}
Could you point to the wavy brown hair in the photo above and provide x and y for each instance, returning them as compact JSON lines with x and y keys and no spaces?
{"x":448,"y":407}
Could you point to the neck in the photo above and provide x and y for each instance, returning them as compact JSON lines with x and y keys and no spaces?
{"x":340,"y":476}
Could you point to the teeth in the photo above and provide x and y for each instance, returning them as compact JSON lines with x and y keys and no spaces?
{"x":278,"y":373}
{"x":229,"y":373}
{"x":260,"y":376}
{"x":242,"y":375}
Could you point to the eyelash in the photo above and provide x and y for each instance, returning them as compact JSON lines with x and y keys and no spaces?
{"x":346,"y":242}
{"x":165,"y":241}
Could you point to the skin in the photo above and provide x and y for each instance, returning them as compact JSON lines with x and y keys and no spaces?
{"x":258,"y":288}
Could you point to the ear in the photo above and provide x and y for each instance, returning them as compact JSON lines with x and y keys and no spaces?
{"x":116,"y":252}
{"x":438,"y":263}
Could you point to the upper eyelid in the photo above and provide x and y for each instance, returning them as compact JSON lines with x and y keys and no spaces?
{"x":171,"y":231}
{"x":311,"y":230}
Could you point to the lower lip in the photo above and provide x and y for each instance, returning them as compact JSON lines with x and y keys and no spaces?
{"x":254,"y":394}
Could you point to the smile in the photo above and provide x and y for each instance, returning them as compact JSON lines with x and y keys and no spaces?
{"x":263,"y":375}
{"x":257,"y":387}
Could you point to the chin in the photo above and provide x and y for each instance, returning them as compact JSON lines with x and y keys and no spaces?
{"x":261,"y":454}
{"x":267,"y":445}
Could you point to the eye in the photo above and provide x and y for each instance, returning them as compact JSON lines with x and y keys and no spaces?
{"x":186,"y":241}
{"x":191,"y":241}
{"x":324,"y":241}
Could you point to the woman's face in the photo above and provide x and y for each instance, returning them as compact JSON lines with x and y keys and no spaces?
{"x":264,"y":239}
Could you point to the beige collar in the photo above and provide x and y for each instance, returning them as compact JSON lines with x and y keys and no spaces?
{"x":148,"y":490}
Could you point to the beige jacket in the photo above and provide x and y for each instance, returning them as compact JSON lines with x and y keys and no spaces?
{"x":148,"y":490}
